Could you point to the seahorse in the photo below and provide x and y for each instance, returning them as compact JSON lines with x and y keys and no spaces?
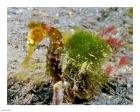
{"x":38,"y":32}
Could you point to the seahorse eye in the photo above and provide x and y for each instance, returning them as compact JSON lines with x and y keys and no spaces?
{"x":30,"y":41}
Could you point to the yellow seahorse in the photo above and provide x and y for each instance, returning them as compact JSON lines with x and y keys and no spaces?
{"x":37,"y":32}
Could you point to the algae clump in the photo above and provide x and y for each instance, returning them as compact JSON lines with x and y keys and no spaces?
{"x":82,"y":64}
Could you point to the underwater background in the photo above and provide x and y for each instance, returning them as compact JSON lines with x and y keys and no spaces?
{"x":35,"y":87}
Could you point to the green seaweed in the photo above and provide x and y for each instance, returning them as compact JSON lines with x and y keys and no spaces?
{"x":87,"y":46}
{"x":82,"y":64}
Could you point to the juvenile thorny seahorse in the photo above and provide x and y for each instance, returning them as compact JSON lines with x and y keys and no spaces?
{"x":37,"y":32}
